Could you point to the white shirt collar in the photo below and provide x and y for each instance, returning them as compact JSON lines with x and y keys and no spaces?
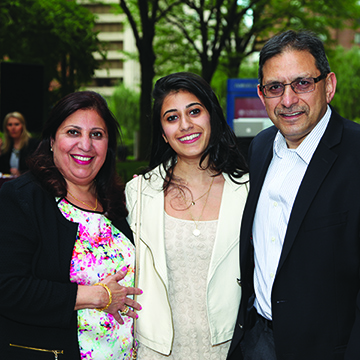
{"x":308,"y":146}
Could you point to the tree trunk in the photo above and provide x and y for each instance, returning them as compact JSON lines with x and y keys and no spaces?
{"x":147,"y":61}
{"x":208,"y":69}
{"x":64,"y":84}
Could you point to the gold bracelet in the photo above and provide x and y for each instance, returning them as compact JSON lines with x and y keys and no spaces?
{"x":110,"y":296}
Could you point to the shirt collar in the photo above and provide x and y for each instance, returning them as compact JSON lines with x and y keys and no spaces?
{"x":308,"y":146}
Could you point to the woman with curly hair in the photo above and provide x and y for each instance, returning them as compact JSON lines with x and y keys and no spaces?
{"x":67,"y":256}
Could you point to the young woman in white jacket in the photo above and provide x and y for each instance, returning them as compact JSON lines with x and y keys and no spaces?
{"x":192,"y":198}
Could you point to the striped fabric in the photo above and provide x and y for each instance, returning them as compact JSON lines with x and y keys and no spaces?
{"x":281,"y":184}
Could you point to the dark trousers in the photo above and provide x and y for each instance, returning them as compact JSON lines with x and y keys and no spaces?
{"x":258,"y":342}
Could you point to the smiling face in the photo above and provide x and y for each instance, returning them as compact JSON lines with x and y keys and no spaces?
{"x":186,"y":124}
{"x":80,"y":147}
{"x":295,"y":115}
{"x":14,"y":128}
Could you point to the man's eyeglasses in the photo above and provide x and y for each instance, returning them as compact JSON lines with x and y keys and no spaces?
{"x":299,"y":86}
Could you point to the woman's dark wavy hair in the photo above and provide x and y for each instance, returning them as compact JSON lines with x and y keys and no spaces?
{"x":110,"y":189}
{"x":223,"y":152}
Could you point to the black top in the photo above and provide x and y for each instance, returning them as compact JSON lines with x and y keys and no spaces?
{"x":24,"y":153}
{"x":37,"y":298}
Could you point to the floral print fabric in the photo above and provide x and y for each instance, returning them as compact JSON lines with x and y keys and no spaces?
{"x":100,"y":250}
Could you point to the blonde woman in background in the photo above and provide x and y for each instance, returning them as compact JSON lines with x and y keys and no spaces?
{"x":17,"y":145}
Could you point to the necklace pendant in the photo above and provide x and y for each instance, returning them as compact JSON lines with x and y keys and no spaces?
{"x":196,"y":232}
{"x":192,"y":203}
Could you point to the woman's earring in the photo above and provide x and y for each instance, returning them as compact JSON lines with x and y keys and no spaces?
{"x":51,"y":149}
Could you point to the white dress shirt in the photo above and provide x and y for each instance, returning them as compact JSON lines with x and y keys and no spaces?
{"x":281,"y":184}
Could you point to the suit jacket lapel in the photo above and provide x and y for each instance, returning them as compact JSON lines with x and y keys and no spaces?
{"x":319,"y":167}
{"x":261,"y":155}
{"x":258,"y":174}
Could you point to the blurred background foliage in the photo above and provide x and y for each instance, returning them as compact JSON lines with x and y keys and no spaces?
{"x":216,"y":39}
{"x":346,"y":65}
{"x":124,"y":104}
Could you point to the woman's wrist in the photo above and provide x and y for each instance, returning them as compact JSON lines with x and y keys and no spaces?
{"x":91,"y":297}
{"x":109,"y":296}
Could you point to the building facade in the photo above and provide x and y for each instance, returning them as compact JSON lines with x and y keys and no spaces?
{"x":347,"y":38}
{"x":118,"y":40}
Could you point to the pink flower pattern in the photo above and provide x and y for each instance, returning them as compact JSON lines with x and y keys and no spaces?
{"x":100,"y":250}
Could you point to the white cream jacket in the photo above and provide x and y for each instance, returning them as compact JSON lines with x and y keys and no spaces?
{"x":155,"y":325}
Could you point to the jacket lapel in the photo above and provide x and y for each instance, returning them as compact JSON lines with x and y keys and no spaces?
{"x":152,"y":222}
{"x":233,"y":198}
{"x":319,"y":167}
{"x":260,"y":155}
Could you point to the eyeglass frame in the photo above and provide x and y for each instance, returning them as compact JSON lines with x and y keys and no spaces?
{"x":316,"y":80}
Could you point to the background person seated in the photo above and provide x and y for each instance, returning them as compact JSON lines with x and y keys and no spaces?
{"x":17,"y":145}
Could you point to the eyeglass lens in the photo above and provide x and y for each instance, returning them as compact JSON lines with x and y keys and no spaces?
{"x":299,"y":86}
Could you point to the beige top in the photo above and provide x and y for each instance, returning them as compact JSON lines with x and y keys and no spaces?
{"x":188,"y":260}
{"x":155,"y":327}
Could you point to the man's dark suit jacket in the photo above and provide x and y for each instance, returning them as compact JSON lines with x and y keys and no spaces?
{"x":315,"y":297}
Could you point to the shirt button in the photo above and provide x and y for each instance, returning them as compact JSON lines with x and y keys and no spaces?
{"x":275,"y":204}
{"x":273,"y":239}
{"x":271,"y":275}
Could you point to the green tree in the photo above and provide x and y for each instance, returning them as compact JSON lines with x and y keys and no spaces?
{"x":171,"y":55}
{"x":225,"y":32}
{"x":346,"y":65}
{"x":143,"y":15}
{"x":264,"y":18}
{"x":57,"y":34}
{"x":204,"y":36}
{"x":124,"y":104}
{"x":249,"y":69}
{"x":206,"y":26}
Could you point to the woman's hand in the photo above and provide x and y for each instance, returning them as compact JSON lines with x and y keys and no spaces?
{"x":120,"y":297}
{"x":94,"y":297}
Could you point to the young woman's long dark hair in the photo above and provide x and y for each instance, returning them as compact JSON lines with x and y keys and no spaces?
{"x":109,"y":188}
{"x":223,"y":152}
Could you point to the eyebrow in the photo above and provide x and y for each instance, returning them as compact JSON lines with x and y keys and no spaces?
{"x":80,"y":128}
{"x":187,"y":106}
{"x":282,"y":82}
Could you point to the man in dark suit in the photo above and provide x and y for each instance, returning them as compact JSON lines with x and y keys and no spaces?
{"x":300,"y":235}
